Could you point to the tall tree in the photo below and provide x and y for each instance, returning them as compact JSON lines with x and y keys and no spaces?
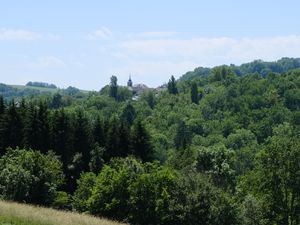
{"x":96,"y":162}
{"x":2,"y":105}
{"x":172,"y":86}
{"x":183,"y":136}
{"x":11,"y":132}
{"x":31,"y":128}
{"x":98,"y":132}
{"x":149,"y":97}
{"x":56,"y":101}
{"x":141,"y":143}
{"x":60,"y":138}
{"x":82,"y":141}
{"x":128,"y":113}
{"x":124,"y":139}
{"x":44,"y":129}
{"x":2,"y":110}
{"x":112,"y":140}
{"x":277,"y":177}
{"x":113,"y":91}
{"x":194,"y":93}
{"x":62,"y":143}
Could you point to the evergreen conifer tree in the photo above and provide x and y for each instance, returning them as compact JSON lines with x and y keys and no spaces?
{"x":172,"y":86}
{"x":98,"y":132}
{"x":113,"y":91}
{"x":194,"y":93}
{"x":141,"y":143}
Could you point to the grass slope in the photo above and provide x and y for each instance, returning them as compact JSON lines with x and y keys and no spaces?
{"x":21,"y":214}
{"x":41,"y":89}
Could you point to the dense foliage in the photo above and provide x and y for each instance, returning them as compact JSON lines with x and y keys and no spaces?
{"x":27,"y":175}
{"x":9,"y":92}
{"x":217,"y":149}
{"x":257,"y":66}
{"x":40,"y":84}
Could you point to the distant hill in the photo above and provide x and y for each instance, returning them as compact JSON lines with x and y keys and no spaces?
{"x":41,"y":84}
{"x":19,"y":91}
{"x":257,"y":66}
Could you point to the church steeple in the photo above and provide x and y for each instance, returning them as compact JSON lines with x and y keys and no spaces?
{"x":129,"y":83}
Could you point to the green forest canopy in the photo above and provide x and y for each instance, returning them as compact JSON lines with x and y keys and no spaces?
{"x":222,"y":148}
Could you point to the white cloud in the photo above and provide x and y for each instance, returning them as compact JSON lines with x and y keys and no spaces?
{"x":153,"y":34}
{"x":102,"y":33}
{"x":213,"y":51}
{"x":51,"y":61}
{"x":53,"y":37}
{"x":47,"y":62}
{"x":154,"y":60}
{"x":16,"y":35}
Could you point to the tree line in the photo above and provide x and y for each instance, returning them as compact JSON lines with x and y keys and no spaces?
{"x":77,"y":139}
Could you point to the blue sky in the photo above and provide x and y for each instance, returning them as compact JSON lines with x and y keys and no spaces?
{"x":83,"y":43}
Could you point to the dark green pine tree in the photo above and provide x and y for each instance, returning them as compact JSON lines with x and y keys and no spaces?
{"x":56,"y":101}
{"x":96,"y":163}
{"x":182,"y":137}
{"x":112,"y":140}
{"x":82,"y":137}
{"x":98,"y":132}
{"x":150,"y":99}
{"x":141,"y":143}
{"x":11,"y":132}
{"x":44,"y":129}
{"x":113,"y":91}
{"x":62,"y":144}
{"x":60,"y":136}
{"x":172,"y":86}
{"x":2,"y":105}
{"x":124,"y":140}
{"x":31,"y":128}
{"x":2,"y":110}
{"x":194,"y":93}
{"x":23,"y":105}
{"x":128,"y":113}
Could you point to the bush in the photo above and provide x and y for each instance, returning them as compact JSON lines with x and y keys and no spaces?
{"x":196,"y":201}
{"x":150,"y":195}
{"x":110,"y":193}
{"x":83,"y":192}
{"x":30,"y":176}
{"x":127,"y":190}
{"x":62,"y":201}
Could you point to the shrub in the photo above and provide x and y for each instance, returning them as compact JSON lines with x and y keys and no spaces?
{"x":30,"y":176}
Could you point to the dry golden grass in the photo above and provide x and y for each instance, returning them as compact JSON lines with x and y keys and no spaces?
{"x":14,"y":213}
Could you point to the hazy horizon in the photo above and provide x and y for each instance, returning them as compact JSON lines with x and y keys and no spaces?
{"x":83,"y":44}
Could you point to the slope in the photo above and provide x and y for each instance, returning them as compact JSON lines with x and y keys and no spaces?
{"x":21,"y":214}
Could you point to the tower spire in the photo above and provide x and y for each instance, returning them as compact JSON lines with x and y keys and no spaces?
{"x":129,"y":83}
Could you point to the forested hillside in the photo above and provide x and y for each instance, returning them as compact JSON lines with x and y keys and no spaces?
{"x":222,"y":148}
{"x":258,"y":66}
{"x":34,"y":89}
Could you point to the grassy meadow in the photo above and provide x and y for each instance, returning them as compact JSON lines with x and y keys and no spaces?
{"x":21,"y":214}
{"x":41,"y":89}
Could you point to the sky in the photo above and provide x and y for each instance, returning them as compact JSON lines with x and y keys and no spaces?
{"x":83,"y":43}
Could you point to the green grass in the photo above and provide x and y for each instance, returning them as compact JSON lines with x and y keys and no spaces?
{"x":17,"y":221}
{"x":22,"y":214}
{"x":41,"y":89}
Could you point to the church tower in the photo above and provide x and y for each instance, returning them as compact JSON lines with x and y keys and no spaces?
{"x":129,"y":83}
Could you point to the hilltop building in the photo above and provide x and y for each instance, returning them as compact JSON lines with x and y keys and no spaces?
{"x":137,"y":89}
{"x":129,"y":82}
